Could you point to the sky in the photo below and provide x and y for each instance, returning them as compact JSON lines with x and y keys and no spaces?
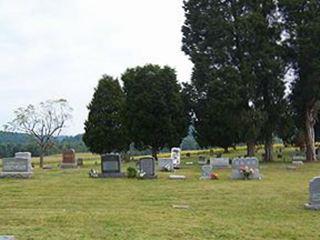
{"x":52,"y":49}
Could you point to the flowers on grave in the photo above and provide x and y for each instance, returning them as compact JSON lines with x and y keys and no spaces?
{"x":93,"y":173}
{"x":141,"y":174}
{"x":214,"y":176}
{"x":246,"y":172}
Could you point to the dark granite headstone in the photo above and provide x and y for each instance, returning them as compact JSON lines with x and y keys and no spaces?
{"x":147,"y":166}
{"x":111,"y":165}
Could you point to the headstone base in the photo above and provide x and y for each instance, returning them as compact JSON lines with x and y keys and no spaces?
{"x":237,"y":175}
{"x":150,"y":177}
{"x":205,"y":178}
{"x":68,"y":165}
{"x":312,"y":207}
{"x":177,"y":177}
{"x":15,"y":174}
{"x":111,"y":175}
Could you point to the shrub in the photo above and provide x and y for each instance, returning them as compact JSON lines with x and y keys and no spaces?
{"x":131,"y":172}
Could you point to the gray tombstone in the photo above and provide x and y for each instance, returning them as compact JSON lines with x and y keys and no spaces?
{"x":318,"y":153}
{"x":24,"y":155}
{"x":251,"y":163}
{"x":219,"y":162}
{"x":314,"y":194}
{"x":147,"y":166}
{"x":166,"y":164}
{"x":17,"y":167}
{"x":111,"y":166}
{"x":299,"y":156}
{"x":206,"y":171}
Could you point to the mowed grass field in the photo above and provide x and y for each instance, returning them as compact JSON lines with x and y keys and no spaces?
{"x":67,"y":204}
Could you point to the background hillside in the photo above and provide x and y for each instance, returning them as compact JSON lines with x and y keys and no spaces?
{"x":11,"y":143}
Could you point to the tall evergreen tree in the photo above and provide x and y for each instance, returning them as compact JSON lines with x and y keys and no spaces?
{"x":105,"y":131}
{"x":302,"y":32}
{"x":155,"y":111}
{"x":233,"y":45}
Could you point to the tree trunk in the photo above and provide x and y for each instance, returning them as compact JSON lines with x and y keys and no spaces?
{"x":155,"y":153}
{"x":251,"y":148}
{"x":226,"y":150}
{"x":268,"y":149}
{"x":310,"y":136}
{"x":41,"y":159}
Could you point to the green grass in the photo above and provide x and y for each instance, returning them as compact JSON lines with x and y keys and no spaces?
{"x":67,"y":204}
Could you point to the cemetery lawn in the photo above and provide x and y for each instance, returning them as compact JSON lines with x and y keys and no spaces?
{"x":67,"y":204}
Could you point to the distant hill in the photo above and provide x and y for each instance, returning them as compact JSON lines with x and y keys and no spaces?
{"x":11,"y":143}
{"x":14,"y":138}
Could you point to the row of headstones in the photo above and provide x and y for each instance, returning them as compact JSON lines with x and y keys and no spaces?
{"x":239,"y":165}
{"x":21,"y":167}
{"x":111,"y":165}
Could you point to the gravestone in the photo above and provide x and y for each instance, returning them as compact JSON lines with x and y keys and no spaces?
{"x":80,"y":161}
{"x":176,"y":156}
{"x":240,"y":163}
{"x":17,"y":167}
{"x":318,"y":153}
{"x":206,"y":171}
{"x":219,"y":162}
{"x":7,"y":238}
{"x":69,"y":159}
{"x":111,"y":166}
{"x":24,"y":155}
{"x":147,"y":165}
{"x":297,"y":163}
{"x":202,"y":160}
{"x":166,"y":164}
{"x":177,"y":177}
{"x":299,"y":156}
{"x":314,"y":194}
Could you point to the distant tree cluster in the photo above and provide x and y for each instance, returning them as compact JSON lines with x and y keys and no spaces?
{"x":148,"y":111}
{"x":242,"y":51}
{"x":10,"y":143}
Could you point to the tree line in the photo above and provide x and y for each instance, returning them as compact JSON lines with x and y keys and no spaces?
{"x":243,"y":53}
{"x":255,"y":76}
{"x":10,"y":143}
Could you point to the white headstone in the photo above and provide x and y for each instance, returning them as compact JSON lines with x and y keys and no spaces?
{"x":176,"y":156}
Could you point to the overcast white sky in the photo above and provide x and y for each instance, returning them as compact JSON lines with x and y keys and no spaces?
{"x":60,"y":48}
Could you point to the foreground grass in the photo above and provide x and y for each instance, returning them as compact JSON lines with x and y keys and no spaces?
{"x":66,"y":204}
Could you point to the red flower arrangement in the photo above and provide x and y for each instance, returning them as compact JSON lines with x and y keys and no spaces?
{"x":214,"y":176}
